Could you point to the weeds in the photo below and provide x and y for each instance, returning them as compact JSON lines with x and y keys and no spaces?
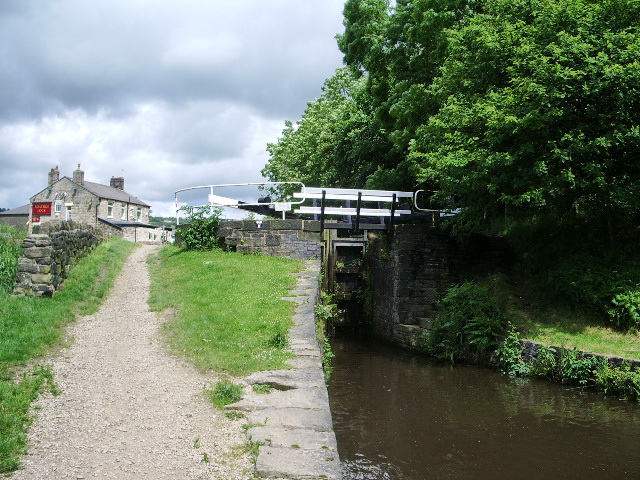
{"x":225,"y":393}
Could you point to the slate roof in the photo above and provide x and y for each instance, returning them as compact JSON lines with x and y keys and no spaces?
{"x":23,"y":210}
{"x":111,"y":193}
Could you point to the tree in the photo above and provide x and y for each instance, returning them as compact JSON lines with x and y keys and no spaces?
{"x":538,"y":113}
{"x":335,"y":144}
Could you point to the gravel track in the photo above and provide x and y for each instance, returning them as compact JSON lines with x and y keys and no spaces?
{"x":127,"y":409}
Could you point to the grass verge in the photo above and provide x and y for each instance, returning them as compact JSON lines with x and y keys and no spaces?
{"x":227,"y":309}
{"x":32,"y":326}
{"x":543,"y":320}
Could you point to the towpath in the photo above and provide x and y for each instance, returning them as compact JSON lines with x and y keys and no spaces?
{"x":127,"y":409}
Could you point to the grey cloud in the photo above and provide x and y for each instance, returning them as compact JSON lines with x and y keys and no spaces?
{"x":86,"y":54}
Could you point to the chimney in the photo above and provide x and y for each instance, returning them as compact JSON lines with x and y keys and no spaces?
{"x":117,"y":182}
{"x":54,"y":176}
{"x":78,"y":176}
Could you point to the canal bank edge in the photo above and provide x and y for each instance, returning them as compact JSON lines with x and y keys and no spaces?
{"x":293,"y":424}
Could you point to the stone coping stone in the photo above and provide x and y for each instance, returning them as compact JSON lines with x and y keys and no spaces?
{"x":293,"y":438}
{"x":311,"y":398}
{"x":305,"y":362}
{"x":291,"y":417}
{"x":288,"y":379}
{"x":298,"y":463}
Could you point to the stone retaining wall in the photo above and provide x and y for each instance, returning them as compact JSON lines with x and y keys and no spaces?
{"x":47,"y":258}
{"x":409,"y":270}
{"x":298,"y":239}
{"x":530,"y":353}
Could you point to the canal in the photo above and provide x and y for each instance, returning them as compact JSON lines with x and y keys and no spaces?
{"x":399,"y":417}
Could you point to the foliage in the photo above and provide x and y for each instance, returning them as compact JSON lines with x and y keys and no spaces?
{"x":226,"y":311}
{"x":618,"y":381}
{"x":469,"y":323}
{"x":608,"y":285}
{"x":625,"y":312}
{"x":575,"y":368}
{"x":10,"y":251}
{"x":335,"y":144}
{"x":509,"y":354}
{"x":326,"y":310}
{"x":514,"y":110}
{"x":225,"y":393}
{"x":545,"y":364}
{"x":535,"y":115}
{"x":201,"y":230}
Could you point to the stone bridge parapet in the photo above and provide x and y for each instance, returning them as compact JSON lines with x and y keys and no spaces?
{"x":299,"y":239}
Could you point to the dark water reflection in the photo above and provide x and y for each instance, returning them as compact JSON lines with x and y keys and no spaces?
{"x":397,"y":417}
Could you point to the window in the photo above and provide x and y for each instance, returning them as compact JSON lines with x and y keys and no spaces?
{"x":123,"y":212}
{"x":110,"y":210}
{"x":68,"y":213}
{"x":58,"y":206}
{"x":139,"y":214}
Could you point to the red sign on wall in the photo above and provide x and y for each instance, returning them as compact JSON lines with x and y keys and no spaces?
{"x":35,"y":219}
{"x":43,"y":208}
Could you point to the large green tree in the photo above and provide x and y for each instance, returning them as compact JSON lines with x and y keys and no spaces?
{"x":539,"y":113}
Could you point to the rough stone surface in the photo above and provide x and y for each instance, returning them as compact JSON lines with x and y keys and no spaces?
{"x":412,"y":268}
{"x":282,"y":238}
{"x":128,"y":410}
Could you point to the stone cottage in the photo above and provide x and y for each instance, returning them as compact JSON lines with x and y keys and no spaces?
{"x":107,"y":207}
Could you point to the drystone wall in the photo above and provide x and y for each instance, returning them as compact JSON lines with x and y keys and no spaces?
{"x":409,"y":270}
{"x":47,"y":258}
{"x":298,"y":239}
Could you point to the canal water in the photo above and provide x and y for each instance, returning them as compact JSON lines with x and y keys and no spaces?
{"x":398,"y":417}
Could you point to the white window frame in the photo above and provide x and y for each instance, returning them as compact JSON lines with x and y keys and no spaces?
{"x":139,"y":214}
{"x":123,"y":212}
{"x":58,"y":206}
{"x":110,"y":206}
{"x":68,"y":213}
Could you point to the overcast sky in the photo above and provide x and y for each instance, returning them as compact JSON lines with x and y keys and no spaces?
{"x":167,"y":93}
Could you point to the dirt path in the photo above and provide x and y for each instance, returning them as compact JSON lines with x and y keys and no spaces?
{"x":127,"y":409}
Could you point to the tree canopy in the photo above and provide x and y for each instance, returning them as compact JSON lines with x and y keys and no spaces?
{"x":515,"y":108}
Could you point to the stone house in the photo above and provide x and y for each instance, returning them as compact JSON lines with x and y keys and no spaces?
{"x":106,"y":207}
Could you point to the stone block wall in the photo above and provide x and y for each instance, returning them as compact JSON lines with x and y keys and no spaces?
{"x":298,"y":239}
{"x":47,"y":259}
{"x":410,"y":270}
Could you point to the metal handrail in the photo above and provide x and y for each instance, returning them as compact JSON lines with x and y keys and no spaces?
{"x":234,"y":203}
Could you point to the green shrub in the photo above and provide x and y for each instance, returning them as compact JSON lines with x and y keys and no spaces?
{"x":509,"y":354}
{"x":545,"y":364}
{"x":201,"y":231}
{"x":469,"y":322}
{"x":607,"y":286}
{"x":10,"y":251}
{"x":618,"y":381}
{"x":577,"y":369}
{"x":625,"y":312}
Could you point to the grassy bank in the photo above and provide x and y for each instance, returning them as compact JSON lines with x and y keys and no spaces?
{"x":544,"y":319}
{"x":225,"y":309}
{"x":31,"y":327}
